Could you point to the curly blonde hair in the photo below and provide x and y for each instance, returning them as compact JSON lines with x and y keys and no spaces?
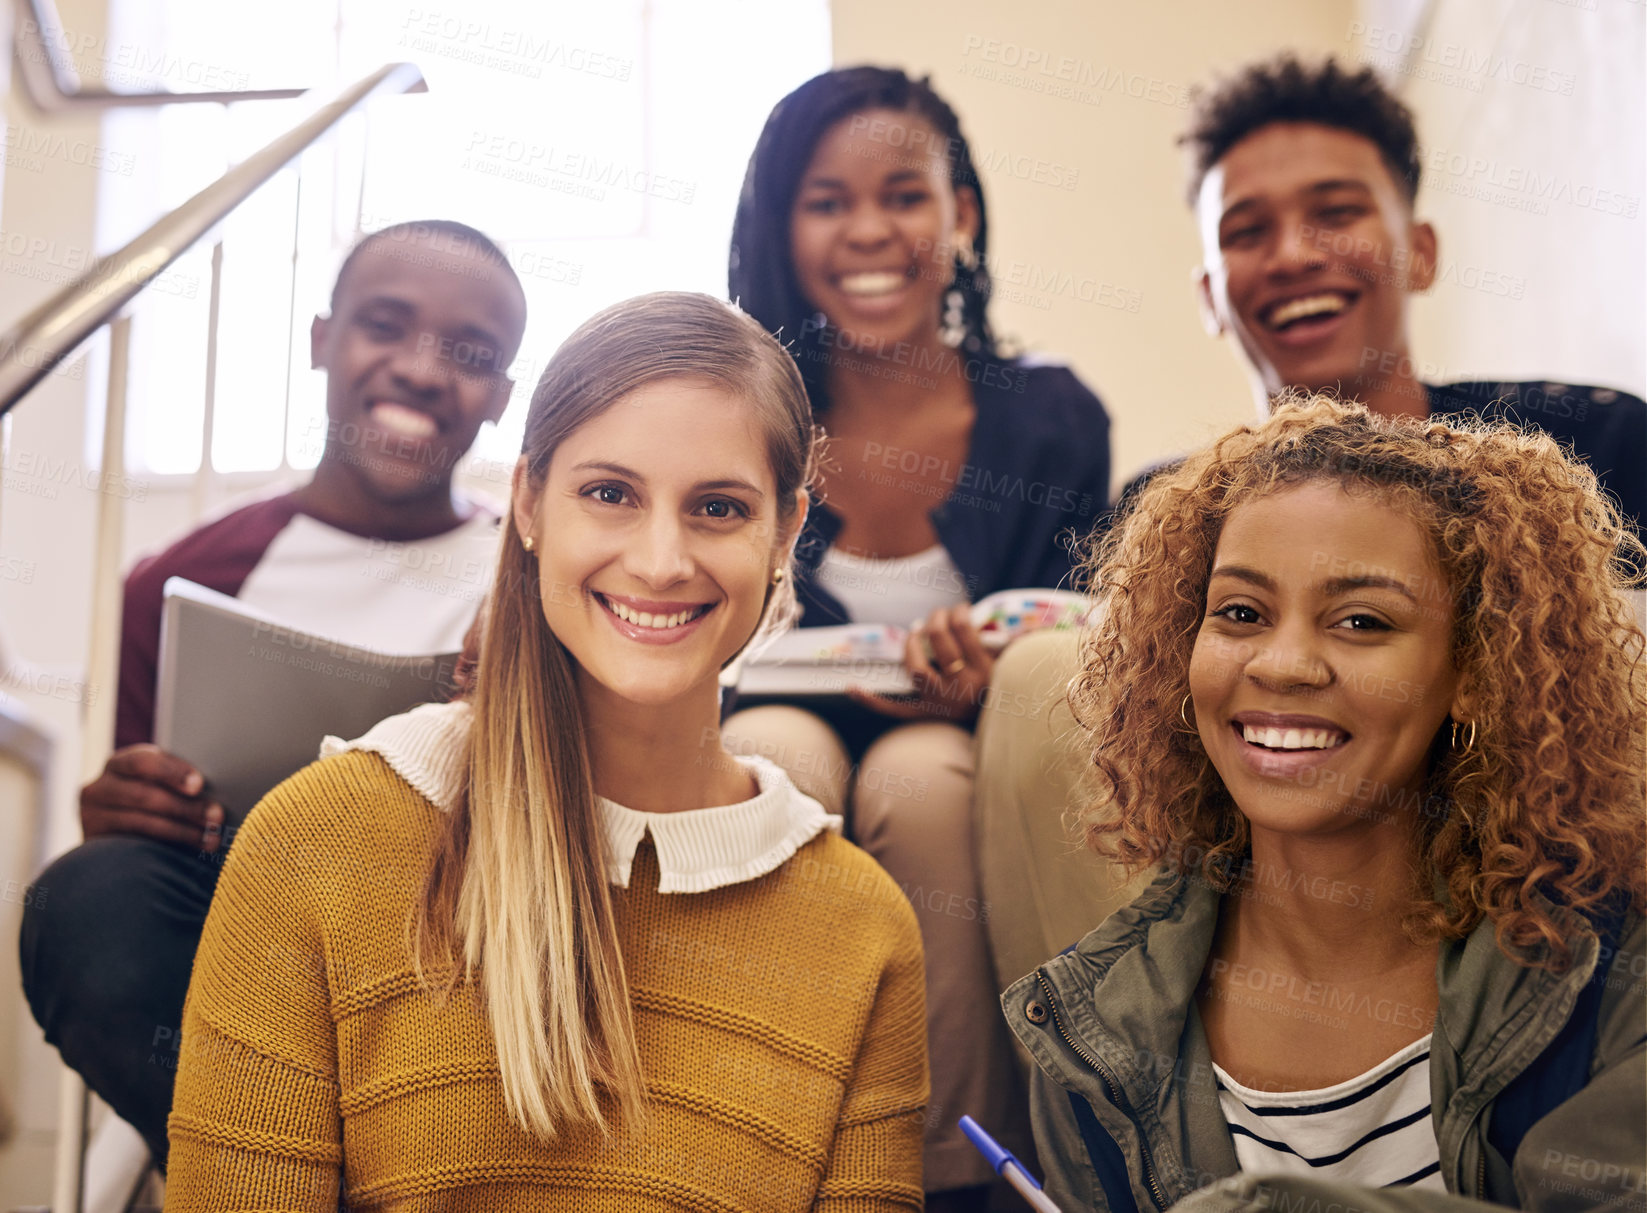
{"x":1547,"y":809}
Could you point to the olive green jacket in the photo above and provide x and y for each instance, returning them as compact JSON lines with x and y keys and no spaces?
{"x":1113,"y":1028}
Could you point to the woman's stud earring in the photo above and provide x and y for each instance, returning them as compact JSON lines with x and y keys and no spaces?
{"x":528,"y":543}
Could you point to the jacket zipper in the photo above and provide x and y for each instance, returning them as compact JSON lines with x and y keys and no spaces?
{"x":1114,"y":1088}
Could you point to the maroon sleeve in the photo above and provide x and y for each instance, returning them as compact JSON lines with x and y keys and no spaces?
{"x":219,"y":556}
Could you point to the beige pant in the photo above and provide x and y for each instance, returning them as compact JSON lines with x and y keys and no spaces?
{"x":1044,"y":890}
{"x":909,"y":804}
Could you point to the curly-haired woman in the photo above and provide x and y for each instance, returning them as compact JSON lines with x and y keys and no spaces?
{"x":1371,"y":697}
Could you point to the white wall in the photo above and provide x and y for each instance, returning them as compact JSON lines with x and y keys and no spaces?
{"x":47,"y":217}
{"x":1534,"y":128}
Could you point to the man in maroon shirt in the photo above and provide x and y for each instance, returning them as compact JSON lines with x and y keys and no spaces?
{"x":425,"y":319}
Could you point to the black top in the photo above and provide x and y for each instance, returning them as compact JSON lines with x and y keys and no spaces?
{"x":1605,"y":428}
{"x":1036,"y":475}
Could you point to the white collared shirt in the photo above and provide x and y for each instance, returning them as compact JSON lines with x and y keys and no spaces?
{"x":698,"y":849}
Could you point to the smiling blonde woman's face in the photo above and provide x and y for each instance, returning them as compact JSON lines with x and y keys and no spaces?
{"x":657,"y":533}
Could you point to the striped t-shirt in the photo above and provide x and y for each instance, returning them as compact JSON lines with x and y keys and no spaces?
{"x":1373,"y":1130}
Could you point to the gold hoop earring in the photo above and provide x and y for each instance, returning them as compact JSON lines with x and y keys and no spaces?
{"x":1469,"y":738}
{"x":1183,"y":714}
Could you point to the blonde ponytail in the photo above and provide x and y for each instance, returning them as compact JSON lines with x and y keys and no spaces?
{"x":518,"y":883}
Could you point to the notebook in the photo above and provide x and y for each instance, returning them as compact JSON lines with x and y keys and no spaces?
{"x":247,"y":700}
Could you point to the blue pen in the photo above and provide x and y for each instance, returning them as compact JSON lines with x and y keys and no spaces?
{"x":1008,"y":1167}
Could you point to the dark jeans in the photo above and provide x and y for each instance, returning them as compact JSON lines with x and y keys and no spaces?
{"x":107,"y":950}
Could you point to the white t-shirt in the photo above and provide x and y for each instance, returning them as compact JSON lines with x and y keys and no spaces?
{"x":897,"y":591}
{"x":417,"y":597}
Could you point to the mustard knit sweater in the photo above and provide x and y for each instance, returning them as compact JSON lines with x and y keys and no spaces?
{"x":780,"y":1021}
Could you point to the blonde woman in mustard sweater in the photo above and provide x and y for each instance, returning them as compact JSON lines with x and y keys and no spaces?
{"x":551,"y":946}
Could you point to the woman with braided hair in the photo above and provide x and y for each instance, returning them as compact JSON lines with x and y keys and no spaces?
{"x":952,"y":472}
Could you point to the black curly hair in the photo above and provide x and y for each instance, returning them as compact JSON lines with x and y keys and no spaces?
{"x":1286,"y":89}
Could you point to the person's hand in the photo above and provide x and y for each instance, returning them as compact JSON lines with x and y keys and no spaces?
{"x":144,"y":790}
{"x":949,"y":665}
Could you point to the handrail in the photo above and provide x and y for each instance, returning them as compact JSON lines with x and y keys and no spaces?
{"x":54,"y":330}
{"x":52,"y":85}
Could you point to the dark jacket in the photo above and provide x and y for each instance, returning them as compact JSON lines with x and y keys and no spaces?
{"x":1126,"y":1113}
{"x":1605,"y":428}
{"x":1036,"y":475}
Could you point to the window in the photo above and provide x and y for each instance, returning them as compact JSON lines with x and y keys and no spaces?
{"x":602,"y":146}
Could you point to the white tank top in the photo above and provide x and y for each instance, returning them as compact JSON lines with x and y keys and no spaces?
{"x":897,"y":591}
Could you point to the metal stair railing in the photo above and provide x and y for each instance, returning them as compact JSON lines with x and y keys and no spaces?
{"x":54,"y":330}
{"x":52,"y":86}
